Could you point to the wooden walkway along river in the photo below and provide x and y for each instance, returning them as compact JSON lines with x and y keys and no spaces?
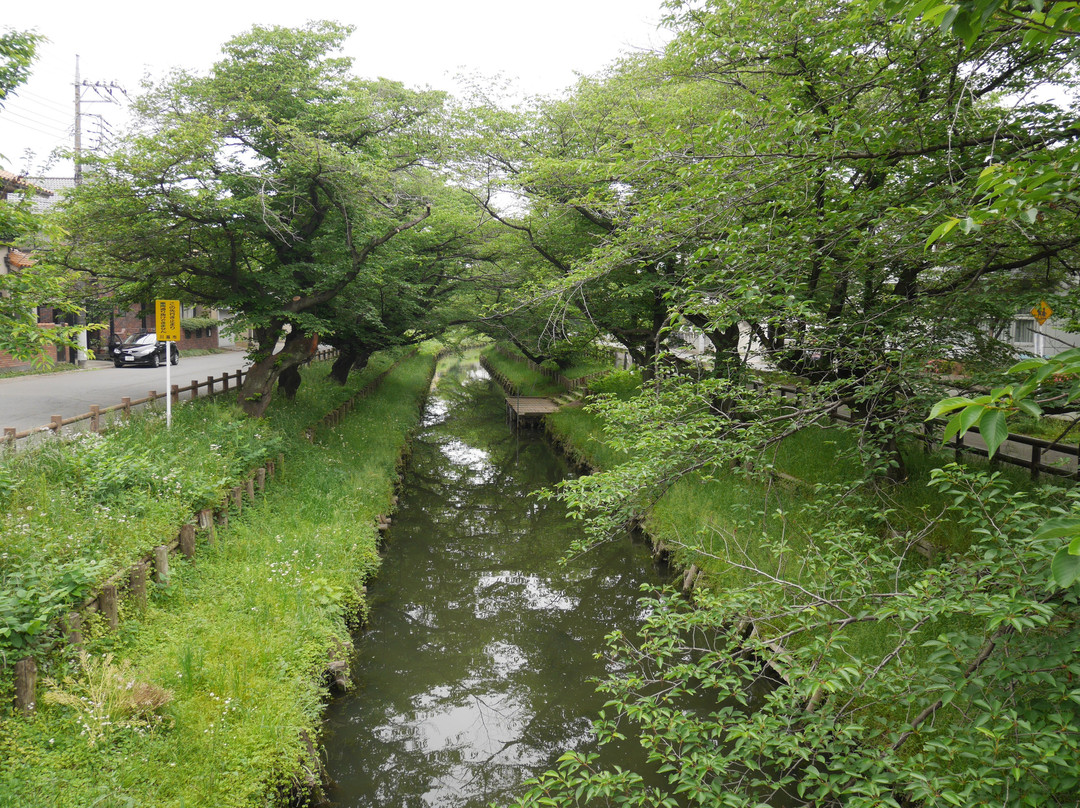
{"x":528,"y":411}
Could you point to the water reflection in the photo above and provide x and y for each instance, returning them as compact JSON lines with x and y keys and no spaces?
{"x":475,"y":672}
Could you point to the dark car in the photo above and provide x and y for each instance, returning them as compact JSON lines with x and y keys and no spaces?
{"x":143,"y":349}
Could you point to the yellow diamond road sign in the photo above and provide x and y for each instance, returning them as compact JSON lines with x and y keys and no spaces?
{"x":168,"y":320}
{"x":1042,"y":312}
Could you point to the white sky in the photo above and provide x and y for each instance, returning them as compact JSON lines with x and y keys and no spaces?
{"x":538,"y":45}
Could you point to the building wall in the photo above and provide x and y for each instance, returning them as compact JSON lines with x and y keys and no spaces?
{"x":1046,"y":340}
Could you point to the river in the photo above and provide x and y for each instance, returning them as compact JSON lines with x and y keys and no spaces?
{"x":475,"y":669}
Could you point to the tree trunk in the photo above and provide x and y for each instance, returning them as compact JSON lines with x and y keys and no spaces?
{"x":258,"y":389}
{"x":289,"y":382}
{"x":351,"y":357}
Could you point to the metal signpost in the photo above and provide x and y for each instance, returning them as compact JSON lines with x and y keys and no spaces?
{"x":168,"y":331}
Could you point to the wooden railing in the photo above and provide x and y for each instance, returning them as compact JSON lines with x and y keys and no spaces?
{"x":1046,"y":457}
{"x":99,"y":417}
{"x":579,"y":384}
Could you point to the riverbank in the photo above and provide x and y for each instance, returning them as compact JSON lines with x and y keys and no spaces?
{"x":235,"y":655}
{"x":903,"y":619}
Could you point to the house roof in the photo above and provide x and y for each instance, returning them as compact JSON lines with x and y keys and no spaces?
{"x":17,"y":259}
{"x":18,"y":182}
{"x":53,"y":185}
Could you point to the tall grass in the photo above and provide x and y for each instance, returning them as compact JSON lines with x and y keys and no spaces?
{"x":241,"y":636}
{"x":740,"y":527}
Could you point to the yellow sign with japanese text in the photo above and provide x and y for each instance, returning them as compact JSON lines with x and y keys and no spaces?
{"x":1042,"y":312}
{"x":168,"y":320}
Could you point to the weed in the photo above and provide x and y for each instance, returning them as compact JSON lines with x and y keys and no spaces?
{"x":108,"y":697}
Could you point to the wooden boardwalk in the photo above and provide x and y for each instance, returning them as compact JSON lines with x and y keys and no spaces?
{"x":528,"y":411}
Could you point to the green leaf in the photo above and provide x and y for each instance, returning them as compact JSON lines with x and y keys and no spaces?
{"x":969,"y":416}
{"x":1030,"y":408}
{"x":951,"y":428}
{"x":941,"y":231}
{"x":1065,"y":567}
{"x":948,"y":405}
{"x":1061,"y":527}
{"x":1027,"y":364}
{"x":994,"y":430}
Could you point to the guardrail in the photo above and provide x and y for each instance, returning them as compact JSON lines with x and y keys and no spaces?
{"x":99,"y":417}
{"x":1046,"y":457}
{"x":580,"y":383}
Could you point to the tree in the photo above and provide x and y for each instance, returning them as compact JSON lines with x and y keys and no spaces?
{"x":817,"y":149}
{"x":269,"y":187}
{"x":35,"y":284}
{"x":18,"y":49}
{"x":427,"y":280}
{"x":834,"y":142}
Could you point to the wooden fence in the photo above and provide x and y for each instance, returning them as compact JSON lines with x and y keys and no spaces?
{"x":131,"y":582}
{"x":99,"y":417}
{"x":1038,"y":456}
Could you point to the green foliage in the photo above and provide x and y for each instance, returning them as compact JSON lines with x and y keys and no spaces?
{"x":307,"y":189}
{"x":903,"y":683}
{"x":1055,"y":380}
{"x":107,"y":698}
{"x":34,"y":595}
{"x":619,"y":383}
{"x":193,"y":323}
{"x":123,"y":492}
{"x":273,"y":596}
{"x":18,"y":50}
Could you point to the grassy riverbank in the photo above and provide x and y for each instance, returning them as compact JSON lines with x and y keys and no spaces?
{"x":231,"y":655}
{"x":905,"y":619}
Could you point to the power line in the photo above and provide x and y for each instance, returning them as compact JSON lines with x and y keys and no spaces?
{"x":40,"y":112}
{"x":23,"y":93}
{"x":52,"y":133}
{"x":33,"y":118}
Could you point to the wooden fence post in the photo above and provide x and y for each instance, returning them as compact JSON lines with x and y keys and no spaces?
{"x":209,"y":385}
{"x":56,"y":423}
{"x":126,"y":402}
{"x":9,"y":436}
{"x":205,"y":520}
{"x":174,"y":393}
{"x":187,"y":540}
{"x":26,"y":685}
{"x":161,"y":564}
{"x":72,"y":627}
{"x":138,"y":584}
{"x":194,"y":389}
{"x":95,"y":418}
{"x":260,"y":478}
{"x":225,"y":382}
{"x":237,"y":495}
{"x":110,"y":605}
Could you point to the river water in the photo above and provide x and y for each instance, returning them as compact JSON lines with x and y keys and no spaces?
{"x":474,"y":672}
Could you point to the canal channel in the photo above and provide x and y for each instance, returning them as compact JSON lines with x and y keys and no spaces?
{"x":475,"y":671}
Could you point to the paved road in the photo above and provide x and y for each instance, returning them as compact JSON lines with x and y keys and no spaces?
{"x":30,"y":401}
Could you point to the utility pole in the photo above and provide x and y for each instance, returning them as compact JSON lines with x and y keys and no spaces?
{"x":105,"y":95}
{"x":78,"y":124}
{"x":101,"y":89}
